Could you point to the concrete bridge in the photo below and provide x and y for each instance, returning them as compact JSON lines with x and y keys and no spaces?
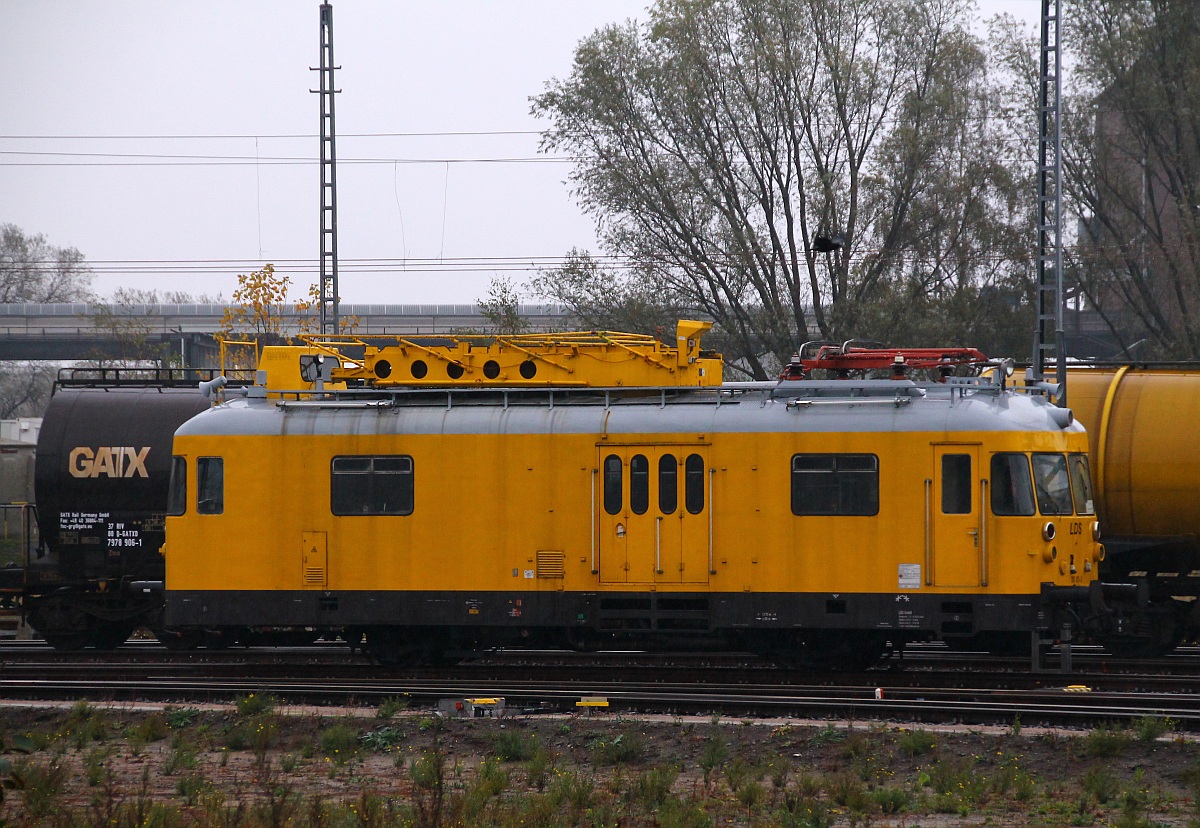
{"x":102,"y":331}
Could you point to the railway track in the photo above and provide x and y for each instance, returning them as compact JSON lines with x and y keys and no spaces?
{"x":935,"y":686}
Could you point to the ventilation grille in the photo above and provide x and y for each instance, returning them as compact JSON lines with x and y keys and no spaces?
{"x":314,"y":574}
{"x":549,"y":564}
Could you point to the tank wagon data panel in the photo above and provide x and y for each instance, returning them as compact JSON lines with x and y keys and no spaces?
{"x":811,"y":520}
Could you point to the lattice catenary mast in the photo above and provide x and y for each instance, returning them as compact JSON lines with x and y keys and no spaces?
{"x":329,"y":257}
{"x":1049,"y":339}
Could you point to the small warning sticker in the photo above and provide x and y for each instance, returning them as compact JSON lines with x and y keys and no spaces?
{"x":910,"y":576}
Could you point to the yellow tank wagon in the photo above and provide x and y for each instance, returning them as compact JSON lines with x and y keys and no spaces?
{"x":1146,"y":463}
{"x":819,"y":522}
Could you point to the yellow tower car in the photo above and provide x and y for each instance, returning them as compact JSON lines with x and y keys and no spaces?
{"x":592,"y":490}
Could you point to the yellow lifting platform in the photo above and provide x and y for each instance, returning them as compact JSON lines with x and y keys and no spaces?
{"x":600,"y":359}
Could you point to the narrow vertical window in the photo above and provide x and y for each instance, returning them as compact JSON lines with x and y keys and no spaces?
{"x":956,"y":484}
{"x":639,"y":484}
{"x":612,"y":484}
{"x":177,"y":488}
{"x":693,"y":484}
{"x":1081,"y":484}
{"x":668,"y":484}
{"x":210,"y":485}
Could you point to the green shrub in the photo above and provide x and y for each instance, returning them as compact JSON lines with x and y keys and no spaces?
{"x":192,"y":786}
{"x":891,"y":800}
{"x":43,"y":785}
{"x":1105,"y":742}
{"x":180,"y":717}
{"x":1150,"y":727}
{"x":714,"y":755}
{"x":180,"y":758}
{"x":515,"y":747}
{"x":653,"y":787}
{"x":152,"y":728}
{"x":339,"y":742}
{"x":1101,"y":783}
{"x":256,"y":704}
{"x":917,"y":743}
{"x":95,"y":766}
{"x":383,"y":739}
{"x":390,"y":706}
{"x":623,"y":749}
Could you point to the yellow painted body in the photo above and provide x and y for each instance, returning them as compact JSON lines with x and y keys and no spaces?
{"x":1145,"y":447}
{"x":501,"y":512}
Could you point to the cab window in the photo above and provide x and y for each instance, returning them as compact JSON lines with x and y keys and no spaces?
{"x":177,"y":488}
{"x":210,"y":485}
{"x":835,"y":484}
{"x":1081,"y":484}
{"x":371,"y":485}
{"x":1012,"y":491}
{"x":1052,"y":484}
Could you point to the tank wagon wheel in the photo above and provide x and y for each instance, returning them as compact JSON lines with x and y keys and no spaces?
{"x":67,"y":641}
{"x":1137,"y":647}
{"x":111,"y":635}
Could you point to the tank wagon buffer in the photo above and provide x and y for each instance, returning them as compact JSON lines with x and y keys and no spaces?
{"x":439,"y":495}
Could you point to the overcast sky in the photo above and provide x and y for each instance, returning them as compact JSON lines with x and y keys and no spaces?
{"x":174,"y":143}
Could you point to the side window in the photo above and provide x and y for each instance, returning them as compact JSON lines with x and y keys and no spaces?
{"x":668,"y":484}
{"x":956,"y":484}
{"x":371,"y":485}
{"x":210,"y":485}
{"x":1081,"y":484}
{"x":835,"y":484}
{"x":177,"y":488}
{"x":1012,"y":491}
{"x":612,"y":484}
{"x":693,"y":484}
{"x":639,"y":484}
{"x":1053,"y":484}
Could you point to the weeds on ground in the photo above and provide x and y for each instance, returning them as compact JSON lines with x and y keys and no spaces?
{"x":1106,"y":742}
{"x":627,"y":748}
{"x":256,"y":704}
{"x":391,"y":706}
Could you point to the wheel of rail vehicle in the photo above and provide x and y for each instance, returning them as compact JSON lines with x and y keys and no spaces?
{"x":178,"y":640}
{"x":67,"y":641}
{"x":111,"y":634}
{"x":395,"y":646}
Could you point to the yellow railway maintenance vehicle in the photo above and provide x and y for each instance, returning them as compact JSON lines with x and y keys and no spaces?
{"x":593,"y":490}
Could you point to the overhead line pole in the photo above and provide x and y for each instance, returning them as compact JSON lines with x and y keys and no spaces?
{"x":1049,"y":338}
{"x":328,"y":246}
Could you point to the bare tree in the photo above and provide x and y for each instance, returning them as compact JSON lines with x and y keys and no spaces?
{"x":1132,"y":169}
{"x":789,"y":168}
{"x":33,"y":270}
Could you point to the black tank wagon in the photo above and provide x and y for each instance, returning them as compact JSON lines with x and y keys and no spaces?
{"x":101,"y":480}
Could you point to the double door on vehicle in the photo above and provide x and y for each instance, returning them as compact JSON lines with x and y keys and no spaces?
{"x":654,"y":514}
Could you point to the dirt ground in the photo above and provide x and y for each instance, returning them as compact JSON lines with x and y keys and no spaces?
{"x":256,"y":763}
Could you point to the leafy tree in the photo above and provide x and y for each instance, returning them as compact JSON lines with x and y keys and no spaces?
{"x":792,"y":169}
{"x":132,"y":327}
{"x":502,"y":308}
{"x":1132,"y":169}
